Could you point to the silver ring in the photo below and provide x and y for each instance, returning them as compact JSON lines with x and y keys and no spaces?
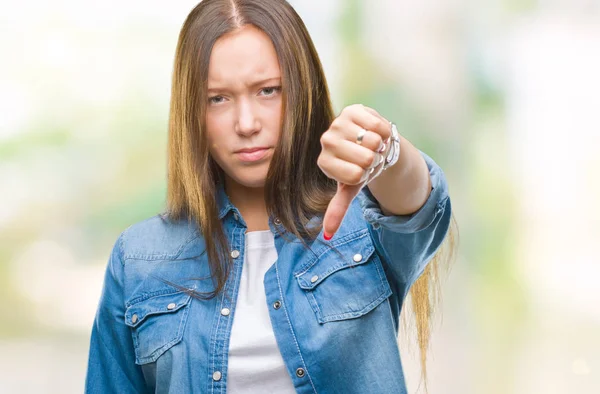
{"x":360,"y":136}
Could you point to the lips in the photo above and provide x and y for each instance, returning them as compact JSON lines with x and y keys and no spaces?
{"x":252,"y":154}
{"x":250,"y":150}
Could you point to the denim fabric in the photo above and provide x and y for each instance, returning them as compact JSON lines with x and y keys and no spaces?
{"x":335,"y":316}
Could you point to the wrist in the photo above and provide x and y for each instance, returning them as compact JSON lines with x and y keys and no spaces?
{"x":387,"y":158}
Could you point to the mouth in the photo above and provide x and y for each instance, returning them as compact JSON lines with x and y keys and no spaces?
{"x":253,"y":154}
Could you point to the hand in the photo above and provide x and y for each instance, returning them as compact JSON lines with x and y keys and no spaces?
{"x":344,"y":160}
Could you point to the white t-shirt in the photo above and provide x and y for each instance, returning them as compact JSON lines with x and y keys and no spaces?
{"x":255,"y":363}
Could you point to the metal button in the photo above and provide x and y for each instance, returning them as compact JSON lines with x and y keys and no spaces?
{"x":225,"y":311}
{"x":235,"y":254}
{"x":217,"y":375}
{"x":172,"y":305}
{"x":300,"y":372}
{"x":134,"y":318}
{"x":314,"y":279}
{"x":277,"y":221}
{"x":357,"y":257}
{"x":277,"y":304}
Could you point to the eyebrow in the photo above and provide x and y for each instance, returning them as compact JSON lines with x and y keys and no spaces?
{"x":252,"y":85}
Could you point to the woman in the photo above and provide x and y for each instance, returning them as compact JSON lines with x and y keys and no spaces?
{"x":266,"y":274}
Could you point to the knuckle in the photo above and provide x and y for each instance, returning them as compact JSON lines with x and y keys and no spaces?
{"x":370,"y":158}
{"x":375,"y":124}
{"x":356,"y":175}
{"x":351,"y":108}
{"x":320,"y":161}
{"x":336,"y":123}
{"x":326,"y":139}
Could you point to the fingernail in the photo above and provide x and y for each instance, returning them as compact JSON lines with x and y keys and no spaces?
{"x":327,"y":236}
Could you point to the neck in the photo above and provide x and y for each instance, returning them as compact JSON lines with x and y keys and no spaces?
{"x":250,"y":201}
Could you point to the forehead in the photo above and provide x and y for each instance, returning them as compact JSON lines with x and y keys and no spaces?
{"x":241,"y":56}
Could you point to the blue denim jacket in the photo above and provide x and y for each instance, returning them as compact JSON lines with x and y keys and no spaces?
{"x":335,"y":318}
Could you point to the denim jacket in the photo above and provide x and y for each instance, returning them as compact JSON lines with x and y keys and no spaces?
{"x":335,"y":317}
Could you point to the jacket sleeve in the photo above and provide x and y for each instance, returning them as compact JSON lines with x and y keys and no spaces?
{"x":111,"y":363}
{"x":408,"y":242}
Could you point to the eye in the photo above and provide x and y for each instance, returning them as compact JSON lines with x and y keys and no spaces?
{"x":271,"y":90}
{"x":215,"y":99}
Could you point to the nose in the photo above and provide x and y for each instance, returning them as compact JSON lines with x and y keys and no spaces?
{"x":247,"y":122}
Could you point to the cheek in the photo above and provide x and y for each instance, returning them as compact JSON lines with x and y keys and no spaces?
{"x":275,"y":117}
{"x":214,"y":129}
{"x":213,"y":139}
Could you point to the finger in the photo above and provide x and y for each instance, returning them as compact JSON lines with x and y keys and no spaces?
{"x":350,"y":131}
{"x":337,"y":208}
{"x":356,"y":154}
{"x":343,"y":171}
{"x":364,"y":118}
{"x":374,"y":112}
{"x":371,"y":140}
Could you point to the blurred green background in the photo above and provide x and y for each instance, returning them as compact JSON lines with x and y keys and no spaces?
{"x":503,"y":94}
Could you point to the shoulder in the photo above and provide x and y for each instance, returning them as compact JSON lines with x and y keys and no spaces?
{"x":157,"y":237}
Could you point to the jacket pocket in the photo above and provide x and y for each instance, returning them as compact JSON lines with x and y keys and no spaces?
{"x":157,"y":323}
{"x":347,"y":286}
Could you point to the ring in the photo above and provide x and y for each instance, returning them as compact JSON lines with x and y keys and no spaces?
{"x":360,"y":136}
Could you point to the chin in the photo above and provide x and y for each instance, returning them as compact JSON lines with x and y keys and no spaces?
{"x":253,"y":183}
{"x":252,"y":179}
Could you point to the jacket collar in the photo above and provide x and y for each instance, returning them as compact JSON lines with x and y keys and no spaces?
{"x":224,"y":205}
{"x":350,"y":223}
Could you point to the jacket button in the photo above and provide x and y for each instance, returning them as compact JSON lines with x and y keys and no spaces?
{"x":277,"y":304}
{"x":357,"y":257}
{"x":217,"y":375}
{"x":225,"y":311}
{"x":172,"y":305}
{"x":314,"y":279}
{"x":277,"y":221}
{"x":134,"y":318}
{"x":300,"y":372}
{"x":236,"y":216}
{"x":235,"y":254}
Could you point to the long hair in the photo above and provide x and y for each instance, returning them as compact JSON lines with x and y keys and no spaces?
{"x":295,"y":189}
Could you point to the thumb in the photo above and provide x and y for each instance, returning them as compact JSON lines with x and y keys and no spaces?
{"x":336,"y":210}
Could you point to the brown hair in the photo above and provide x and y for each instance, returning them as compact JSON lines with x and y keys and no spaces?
{"x":295,"y":189}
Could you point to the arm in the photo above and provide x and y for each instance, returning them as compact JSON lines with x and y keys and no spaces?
{"x":408,"y":241}
{"x":111,"y":364}
{"x":403,"y":188}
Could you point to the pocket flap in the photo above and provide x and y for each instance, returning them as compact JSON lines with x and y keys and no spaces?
{"x":165,"y":303}
{"x":353,"y":253}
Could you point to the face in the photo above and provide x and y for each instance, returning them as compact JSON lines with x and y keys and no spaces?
{"x":243,"y":111}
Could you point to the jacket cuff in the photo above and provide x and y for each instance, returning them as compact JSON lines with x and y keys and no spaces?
{"x":417,"y":221}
